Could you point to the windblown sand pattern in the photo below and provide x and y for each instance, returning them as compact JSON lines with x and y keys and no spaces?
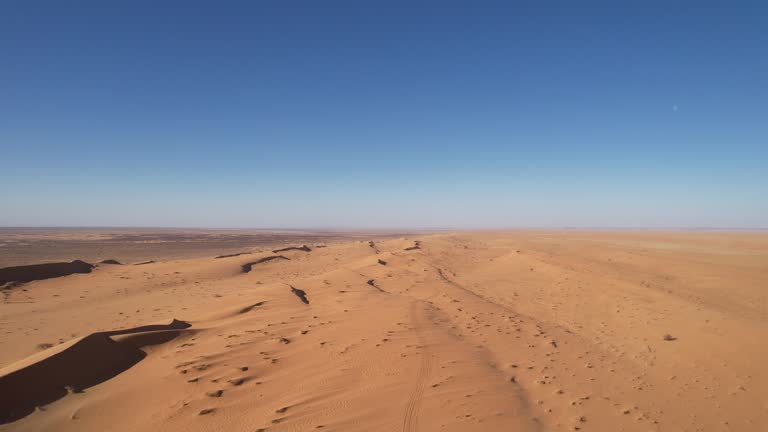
{"x":524,"y":331}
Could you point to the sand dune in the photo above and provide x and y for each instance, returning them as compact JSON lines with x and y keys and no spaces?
{"x":528,"y":331}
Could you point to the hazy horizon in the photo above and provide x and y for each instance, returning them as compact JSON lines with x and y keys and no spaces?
{"x":424,"y":229}
{"x":384,"y":115}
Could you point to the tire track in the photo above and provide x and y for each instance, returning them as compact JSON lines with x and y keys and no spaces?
{"x":413,"y":407}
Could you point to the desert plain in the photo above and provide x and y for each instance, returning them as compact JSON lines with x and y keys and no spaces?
{"x":462,"y":331}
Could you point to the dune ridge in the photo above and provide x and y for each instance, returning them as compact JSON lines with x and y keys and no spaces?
{"x":233,"y":255}
{"x":247,"y":267}
{"x":33,"y":272}
{"x":303,"y":248}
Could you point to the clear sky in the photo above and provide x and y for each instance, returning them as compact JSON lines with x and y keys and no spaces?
{"x":367,"y":114}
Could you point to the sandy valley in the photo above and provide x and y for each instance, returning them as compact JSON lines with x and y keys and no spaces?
{"x":477,"y":331}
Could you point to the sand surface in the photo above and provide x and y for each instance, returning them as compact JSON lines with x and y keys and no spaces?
{"x":520,"y":331}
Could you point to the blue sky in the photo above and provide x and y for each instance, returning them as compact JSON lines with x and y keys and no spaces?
{"x":384,"y":114}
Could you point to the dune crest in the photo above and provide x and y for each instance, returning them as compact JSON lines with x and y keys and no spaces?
{"x":29,"y":273}
{"x":248,"y":266}
{"x":303,"y":248}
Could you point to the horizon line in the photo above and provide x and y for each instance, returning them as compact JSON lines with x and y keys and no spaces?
{"x":342,"y":229}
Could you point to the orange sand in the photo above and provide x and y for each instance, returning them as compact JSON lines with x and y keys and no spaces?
{"x":524,"y":331}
